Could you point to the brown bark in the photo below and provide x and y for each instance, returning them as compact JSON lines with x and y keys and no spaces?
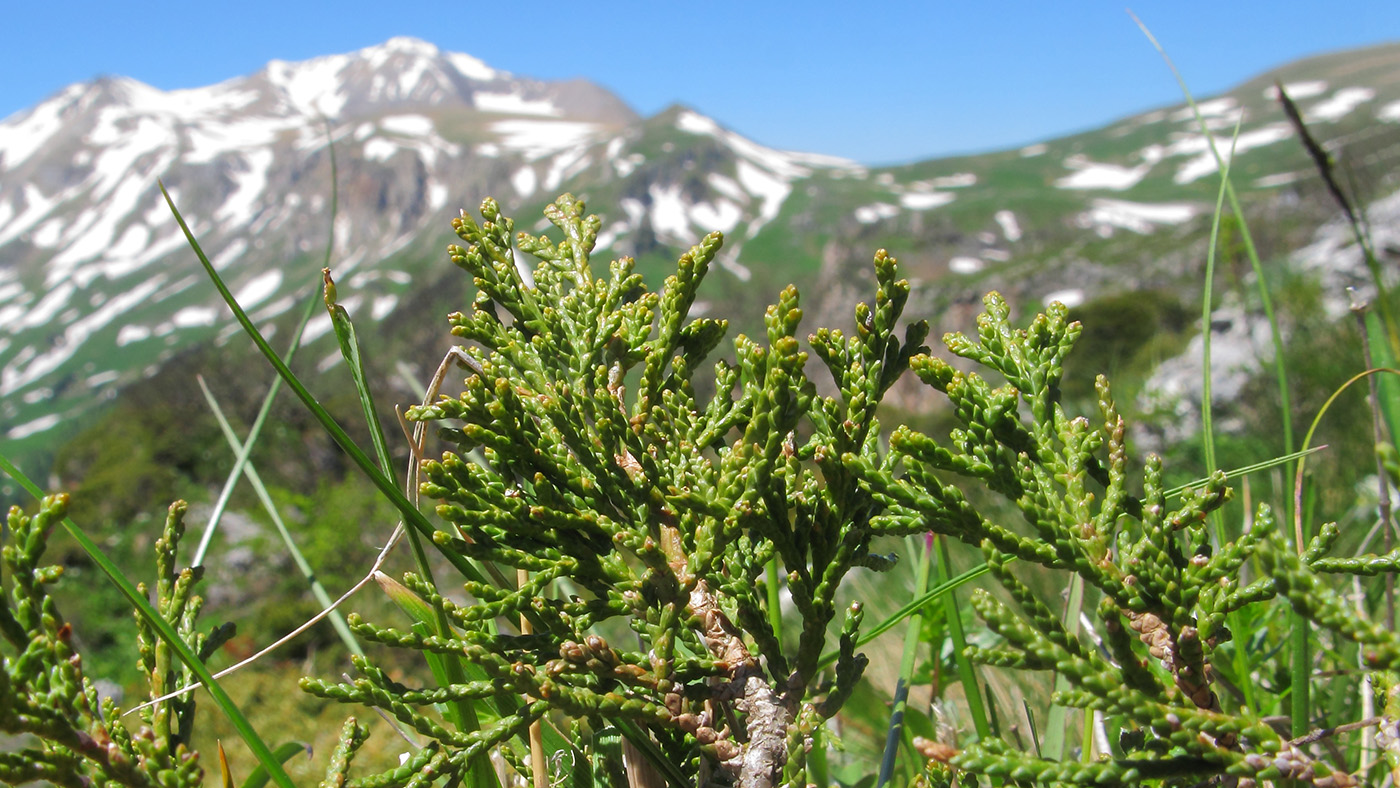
{"x":760,"y":761}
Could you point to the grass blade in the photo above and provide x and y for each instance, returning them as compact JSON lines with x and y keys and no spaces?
{"x":1207,"y":309}
{"x":1317,"y":420}
{"x":894,"y":736}
{"x":259,"y":489}
{"x":1385,"y":406}
{"x":1030,"y":725}
{"x":1387,"y":390}
{"x":967,"y":671}
{"x":350,"y":351}
{"x":224,"y":774}
{"x":1302,"y":663}
{"x":167,"y":633}
{"x":241,"y":456}
{"x":288,"y":750}
{"x":240,"y":463}
{"x":1058,"y":724}
{"x":446,"y":669}
{"x":642,"y":741}
{"x":243,"y":450}
{"x":1246,"y":470}
{"x":909,"y":609}
{"x":1251,"y":251}
{"x":412,"y":517}
{"x":1299,"y":691}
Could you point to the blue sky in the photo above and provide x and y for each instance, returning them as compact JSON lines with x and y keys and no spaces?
{"x":876,"y":82}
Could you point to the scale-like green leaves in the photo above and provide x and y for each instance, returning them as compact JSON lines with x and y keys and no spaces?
{"x":607,"y":470}
{"x":73,"y":736}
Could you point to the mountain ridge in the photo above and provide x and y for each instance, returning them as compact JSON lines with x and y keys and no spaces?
{"x":96,"y":290}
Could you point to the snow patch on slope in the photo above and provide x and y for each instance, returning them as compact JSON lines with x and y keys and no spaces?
{"x":408,"y":125}
{"x":1204,"y":162}
{"x":723,"y":215}
{"x":956,"y":181}
{"x":1208,"y":109}
{"x":923,"y":201}
{"x":34,"y":427}
{"x":113,"y":268}
{"x":21,"y":136}
{"x":135,"y":238}
{"x":515,"y":104}
{"x":524,"y":181}
{"x":784,"y":164}
{"x":965,"y":265}
{"x":1275,"y":180}
{"x":48,"y":307}
{"x":211,"y":138}
{"x":420,"y":76}
{"x":257,"y":289}
{"x":566,"y":165}
{"x":668,"y":213}
{"x":1009,"y":227}
{"x":539,"y":138}
{"x":1104,"y":216}
{"x":1095,"y":175}
{"x":623,"y":165}
{"x":874,"y":212}
{"x":312,"y":87}
{"x":428,"y":148}
{"x":1340,"y":104}
{"x":382,"y":306}
{"x":772,"y":189}
{"x":36,"y":207}
{"x":194,"y":316}
{"x":1297,"y":90}
{"x":1071,"y":297}
{"x":244,"y":203}
{"x":316,"y":327}
{"x":273,"y":309}
{"x":132,"y":332}
{"x":471,"y":68}
{"x":763,"y":172}
{"x":380,"y":149}
{"x":19,"y":374}
{"x":727,"y":186}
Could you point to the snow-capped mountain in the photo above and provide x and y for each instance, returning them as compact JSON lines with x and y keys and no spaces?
{"x":95,"y":281}
{"x":98,"y":288}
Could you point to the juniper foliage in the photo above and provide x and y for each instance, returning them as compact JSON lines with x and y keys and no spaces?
{"x":647,"y":507}
{"x":657,"y":509}
{"x":70,"y":735}
{"x":1166,"y":588}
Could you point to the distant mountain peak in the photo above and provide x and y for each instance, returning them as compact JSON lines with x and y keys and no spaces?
{"x":401,"y":71}
{"x":406,"y":73}
{"x":405,"y":44}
